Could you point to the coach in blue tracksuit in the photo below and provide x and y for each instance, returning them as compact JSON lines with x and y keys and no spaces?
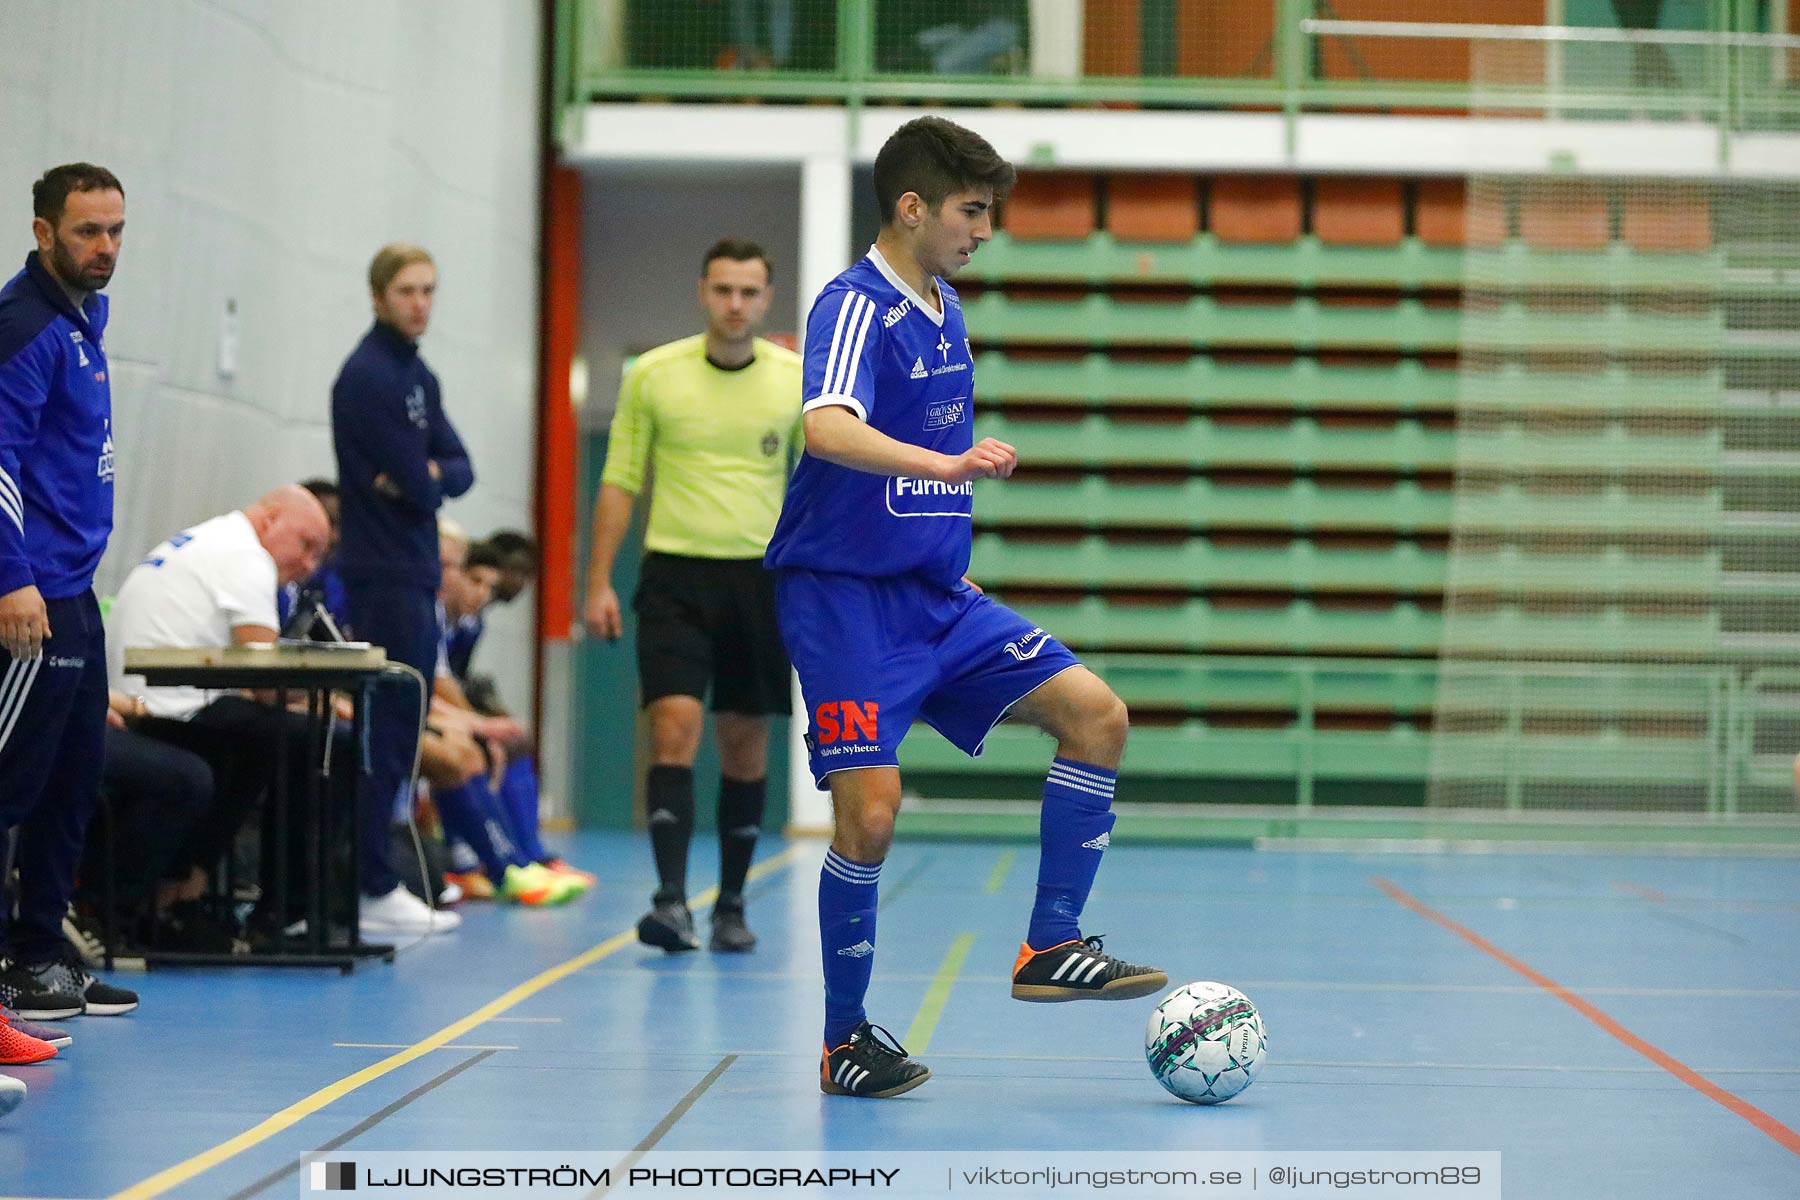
{"x":398,"y":458}
{"x":56,"y":502}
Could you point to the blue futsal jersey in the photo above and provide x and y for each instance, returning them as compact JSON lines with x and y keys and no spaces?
{"x":875,"y":347}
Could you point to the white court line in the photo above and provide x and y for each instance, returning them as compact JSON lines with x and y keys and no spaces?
{"x":1347,"y":1065}
{"x":1488,"y":989}
{"x":1569,"y":1069}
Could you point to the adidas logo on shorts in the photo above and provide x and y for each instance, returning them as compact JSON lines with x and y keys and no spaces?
{"x":862,"y":949}
{"x":1099,"y":843}
{"x":918,"y":371}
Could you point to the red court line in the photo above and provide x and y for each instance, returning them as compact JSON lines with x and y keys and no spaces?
{"x":1638,"y":889}
{"x":1712,"y":1091}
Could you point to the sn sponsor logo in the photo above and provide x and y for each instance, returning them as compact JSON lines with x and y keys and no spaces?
{"x":847,"y":721}
{"x":862,"y":949}
{"x":893,"y":315}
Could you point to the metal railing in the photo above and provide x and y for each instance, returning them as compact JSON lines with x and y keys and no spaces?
{"x":1732,"y":74}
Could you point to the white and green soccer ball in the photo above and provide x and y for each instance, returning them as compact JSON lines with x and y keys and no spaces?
{"x":1205,"y":1042}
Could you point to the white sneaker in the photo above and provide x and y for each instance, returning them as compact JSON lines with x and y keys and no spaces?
{"x":402,"y":912}
{"x":11,"y":1092}
{"x":452,"y":894}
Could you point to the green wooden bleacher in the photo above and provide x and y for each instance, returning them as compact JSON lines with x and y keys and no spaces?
{"x":1201,"y":322}
{"x":1097,"y":563}
{"x":1406,"y":326}
{"x":1406,"y":446}
{"x":1302,"y":385}
{"x":1233,"y":409}
{"x":1309,"y":692}
{"x":1305,"y":506}
{"x":1405,"y":386}
{"x":1100,"y":259}
{"x":1098,"y":441}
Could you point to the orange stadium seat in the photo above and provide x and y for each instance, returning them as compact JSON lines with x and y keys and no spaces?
{"x":1359,"y":212}
{"x":1440,"y":212}
{"x":1152,"y":208}
{"x":1564,"y":214}
{"x":1677,"y":219}
{"x":1256,"y":208}
{"x":1050,"y":206}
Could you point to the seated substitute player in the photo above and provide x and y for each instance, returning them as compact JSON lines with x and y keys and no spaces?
{"x":882,"y":625}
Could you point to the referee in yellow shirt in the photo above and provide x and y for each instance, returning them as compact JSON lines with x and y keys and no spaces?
{"x":717,"y":418}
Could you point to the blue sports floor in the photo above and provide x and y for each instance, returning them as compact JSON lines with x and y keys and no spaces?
{"x":1614,"y":1026}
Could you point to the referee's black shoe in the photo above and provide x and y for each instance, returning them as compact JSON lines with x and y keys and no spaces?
{"x":868,"y":1066}
{"x":1079,"y":970}
{"x":669,"y":926}
{"x":730,"y":932}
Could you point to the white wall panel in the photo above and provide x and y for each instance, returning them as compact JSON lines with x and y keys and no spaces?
{"x":267,"y":149}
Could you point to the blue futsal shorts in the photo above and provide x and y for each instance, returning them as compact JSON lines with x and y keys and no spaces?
{"x":876,"y":653}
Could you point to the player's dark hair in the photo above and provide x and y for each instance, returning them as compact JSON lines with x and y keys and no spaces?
{"x":324,"y":489}
{"x":737,"y":250}
{"x":485,"y":554}
{"x":935,"y":157}
{"x":51,"y":193}
{"x":514,"y":543}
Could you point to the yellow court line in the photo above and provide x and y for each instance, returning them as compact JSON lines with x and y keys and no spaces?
{"x":402,"y":1046}
{"x":918,"y":1036}
{"x":1001,"y":867}
{"x":293,"y":1114}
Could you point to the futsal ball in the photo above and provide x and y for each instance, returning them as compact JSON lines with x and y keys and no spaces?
{"x":1205,"y":1042}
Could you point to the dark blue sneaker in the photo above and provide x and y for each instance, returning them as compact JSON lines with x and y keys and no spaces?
{"x":33,"y":998}
{"x":67,"y":975}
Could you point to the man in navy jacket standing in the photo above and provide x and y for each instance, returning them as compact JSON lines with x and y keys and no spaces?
{"x":398,"y":458}
{"x":56,"y":509}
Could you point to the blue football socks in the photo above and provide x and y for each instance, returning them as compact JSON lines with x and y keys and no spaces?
{"x":847,"y":940}
{"x":1075,"y":829}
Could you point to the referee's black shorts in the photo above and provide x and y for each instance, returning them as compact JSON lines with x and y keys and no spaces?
{"x":711,"y":621}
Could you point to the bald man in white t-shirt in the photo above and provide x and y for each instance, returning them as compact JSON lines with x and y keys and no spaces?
{"x":215,"y":585}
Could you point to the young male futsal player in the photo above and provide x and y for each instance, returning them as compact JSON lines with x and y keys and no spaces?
{"x":870,"y":554}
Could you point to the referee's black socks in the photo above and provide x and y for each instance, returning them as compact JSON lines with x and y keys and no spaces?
{"x":740,"y":823}
{"x":670,"y":802}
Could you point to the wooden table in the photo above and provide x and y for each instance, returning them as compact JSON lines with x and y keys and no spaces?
{"x":316,"y":669}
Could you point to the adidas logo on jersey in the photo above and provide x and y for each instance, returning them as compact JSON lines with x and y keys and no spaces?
{"x":1099,"y":843}
{"x":918,"y":371}
{"x":862,"y":949}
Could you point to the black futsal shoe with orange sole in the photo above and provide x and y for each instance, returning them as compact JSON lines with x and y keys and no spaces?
{"x":868,"y":1066}
{"x":1080,"y":970}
